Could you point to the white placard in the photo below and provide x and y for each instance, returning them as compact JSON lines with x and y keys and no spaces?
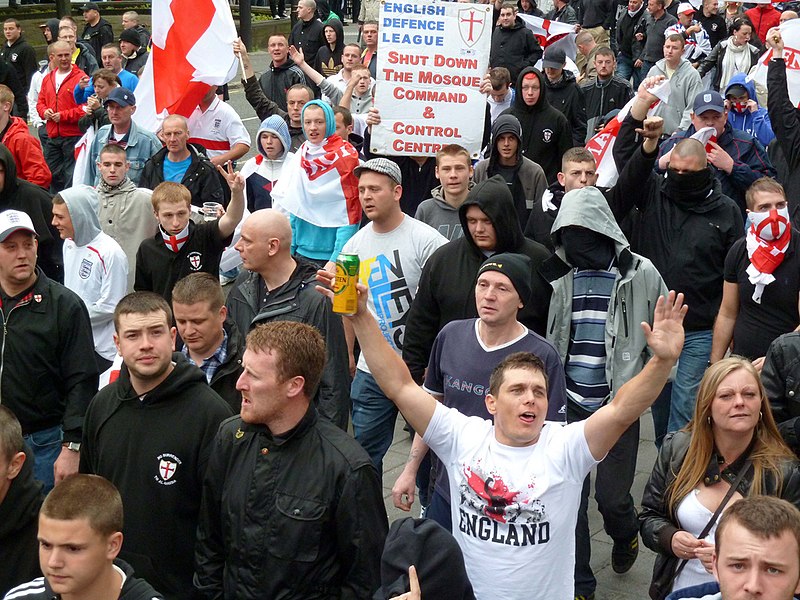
{"x":432,"y":58}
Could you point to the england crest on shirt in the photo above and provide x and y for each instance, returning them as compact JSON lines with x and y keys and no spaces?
{"x":85,"y":269}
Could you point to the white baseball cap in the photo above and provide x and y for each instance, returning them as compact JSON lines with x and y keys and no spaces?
{"x":685,"y":8}
{"x":14,"y":220}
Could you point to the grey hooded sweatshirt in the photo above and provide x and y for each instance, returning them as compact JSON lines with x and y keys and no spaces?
{"x":95,"y":266}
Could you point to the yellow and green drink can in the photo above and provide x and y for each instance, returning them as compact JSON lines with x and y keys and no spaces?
{"x":345,"y":294}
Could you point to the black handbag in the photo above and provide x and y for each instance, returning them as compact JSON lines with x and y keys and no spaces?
{"x":665,"y":572}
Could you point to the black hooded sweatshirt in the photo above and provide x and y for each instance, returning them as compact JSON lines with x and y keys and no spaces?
{"x":509,"y":124}
{"x":19,"y":194}
{"x":19,"y":522}
{"x":155,"y":450}
{"x":546,"y":133}
{"x":447,"y":286}
{"x":329,"y":62}
{"x":566,"y":96}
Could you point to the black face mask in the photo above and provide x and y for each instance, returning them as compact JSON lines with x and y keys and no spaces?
{"x":587,"y":249}
{"x":688,"y":189}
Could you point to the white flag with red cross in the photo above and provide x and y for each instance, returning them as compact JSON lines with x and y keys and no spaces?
{"x":602,"y":144}
{"x":790,"y":33}
{"x":192,"y":50}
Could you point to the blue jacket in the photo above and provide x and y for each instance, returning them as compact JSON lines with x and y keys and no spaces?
{"x":142,"y":144}
{"x":749,"y":157}
{"x":696,"y":592}
{"x":756,"y":123}
{"x":128,"y":80}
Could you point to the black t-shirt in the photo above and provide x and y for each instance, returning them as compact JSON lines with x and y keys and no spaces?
{"x":757,"y":325}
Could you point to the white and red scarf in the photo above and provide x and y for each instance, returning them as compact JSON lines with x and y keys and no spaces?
{"x":768,"y":238}
{"x":175,"y":242}
{"x":318,"y":185}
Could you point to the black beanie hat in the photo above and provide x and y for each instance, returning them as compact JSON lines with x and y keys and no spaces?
{"x":517,"y":267}
{"x":433,"y":552}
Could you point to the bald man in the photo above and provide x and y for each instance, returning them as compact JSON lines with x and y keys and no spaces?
{"x":788,"y":15}
{"x":280,"y":287}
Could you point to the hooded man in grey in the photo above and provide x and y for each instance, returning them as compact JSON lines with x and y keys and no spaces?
{"x":601,"y":292}
{"x":95,"y":266}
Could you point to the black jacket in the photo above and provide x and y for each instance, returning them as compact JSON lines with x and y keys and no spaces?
{"x":717,"y":59}
{"x":97,"y":36}
{"x":514,"y":48}
{"x":86,"y":61}
{"x":566,"y":96}
{"x":136,"y":61}
{"x":598,"y":13}
{"x":37,"y":203}
{"x":657,"y":526}
{"x":133,"y":588}
{"x":22,"y":57}
{"x":626,"y":31}
{"x":200,"y":178}
{"x":308,"y":37}
{"x":447,"y":285}
{"x":276,"y":80}
{"x":299,"y":516}
{"x":155,"y":451}
{"x":714,"y":26}
{"x":687,"y":247}
{"x":19,"y":523}
{"x":9,"y":77}
{"x":785,"y":119}
{"x":546,"y":133}
{"x":298,"y":300}
{"x":602,"y":97}
{"x":48,"y":375}
{"x":781,"y":379}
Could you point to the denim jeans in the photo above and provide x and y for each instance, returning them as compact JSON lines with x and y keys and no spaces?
{"x":692,"y":365}
{"x":439,"y":510}
{"x":626,"y":71}
{"x":374,"y":416}
{"x":612,"y":491}
{"x":46,"y":446}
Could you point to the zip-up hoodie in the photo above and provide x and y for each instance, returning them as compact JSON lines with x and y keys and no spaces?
{"x":133,"y":588}
{"x":440,"y":215}
{"x":684,"y":85}
{"x":633,"y":299}
{"x":546,"y":133}
{"x":446,"y":288}
{"x":755,"y":123}
{"x":95,"y":266}
{"x":259,"y":172}
{"x":155,"y":449}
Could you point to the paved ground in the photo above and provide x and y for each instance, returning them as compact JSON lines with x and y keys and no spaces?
{"x":631,"y":586}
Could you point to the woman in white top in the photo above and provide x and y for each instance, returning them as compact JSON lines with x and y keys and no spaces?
{"x":697,"y":465}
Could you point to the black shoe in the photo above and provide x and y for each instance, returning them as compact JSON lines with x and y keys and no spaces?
{"x":624,"y":554}
{"x":587,"y":597}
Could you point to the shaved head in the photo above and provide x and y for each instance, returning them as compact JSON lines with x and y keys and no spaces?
{"x":271,"y":223}
{"x":691,"y":149}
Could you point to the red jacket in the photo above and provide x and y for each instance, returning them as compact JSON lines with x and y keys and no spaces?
{"x":764,"y":17}
{"x":62,"y":102}
{"x":27,"y":153}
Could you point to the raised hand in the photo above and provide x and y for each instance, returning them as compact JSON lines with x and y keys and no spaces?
{"x":235,"y":180}
{"x":665,"y":337}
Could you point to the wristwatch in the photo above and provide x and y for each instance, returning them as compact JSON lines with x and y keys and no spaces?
{"x":74,"y":446}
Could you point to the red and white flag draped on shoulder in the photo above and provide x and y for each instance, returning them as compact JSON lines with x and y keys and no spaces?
{"x":192,"y":50}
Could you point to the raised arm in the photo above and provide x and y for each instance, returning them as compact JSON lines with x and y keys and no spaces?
{"x":229,"y":221}
{"x":665,"y":340}
{"x":386,"y":366}
{"x":300,"y":60}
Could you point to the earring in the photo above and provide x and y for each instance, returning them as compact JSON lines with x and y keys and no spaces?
{"x":760,"y":416}
{"x":708,"y":418}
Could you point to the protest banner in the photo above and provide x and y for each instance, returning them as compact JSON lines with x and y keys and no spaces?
{"x":433,"y":56}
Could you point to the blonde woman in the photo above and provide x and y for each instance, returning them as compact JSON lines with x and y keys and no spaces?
{"x":697,"y":466}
